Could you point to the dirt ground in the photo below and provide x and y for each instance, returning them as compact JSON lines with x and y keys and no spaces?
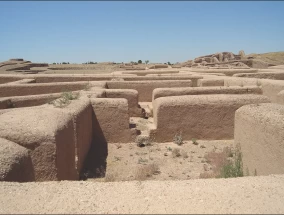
{"x":246,"y":195}
{"x":160,"y":161}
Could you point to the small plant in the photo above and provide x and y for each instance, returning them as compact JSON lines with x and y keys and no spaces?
{"x":143,"y":140}
{"x":233,"y":169}
{"x":184,"y":154}
{"x":111,"y":177}
{"x":147,"y":171}
{"x":10,"y":104}
{"x":65,"y":99}
{"x":194,"y":141}
{"x":117,"y":158}
{"x":224,"y":166}
{"x":146,"y":61}
{"x":169,"y":149}
{"x":176,"y":152}
{"x":118,"y":145}
{"x":142,"y":161}
{"x":87,"y":87}
{"x":178,"y":139}
{"x":139,"y":61}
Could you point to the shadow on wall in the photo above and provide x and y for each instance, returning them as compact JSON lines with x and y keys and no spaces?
{"x":95,"y":164}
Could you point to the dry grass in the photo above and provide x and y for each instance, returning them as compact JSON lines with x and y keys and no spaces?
{"x":111,"y":177}
{"x":217,"y":161}
{"x":225,"y":164}
{"x":178,"y":139}
{"x":176,"y":153}
{"x":146,"y":171}
{"x":65,"y":99}
{"x":276,"y":58}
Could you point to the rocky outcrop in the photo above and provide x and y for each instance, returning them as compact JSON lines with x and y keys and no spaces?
{"x":20,"y":65}
{"x":225,"y":60}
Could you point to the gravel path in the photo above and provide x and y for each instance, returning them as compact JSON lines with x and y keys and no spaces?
{"x":239,"y":195}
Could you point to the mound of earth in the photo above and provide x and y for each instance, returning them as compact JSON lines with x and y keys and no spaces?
{"x":21,"y":65}
{"x":240,"y":60}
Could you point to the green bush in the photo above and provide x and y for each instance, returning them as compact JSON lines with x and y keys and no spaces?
{"x":233,"y":168}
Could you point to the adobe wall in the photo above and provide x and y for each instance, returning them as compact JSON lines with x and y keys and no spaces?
{"x":130,"y":95}
{"x":82,"y":113}
{"x":227,"y":72}
{"x":280,"y":97}
{"x":193,"y":78}
{"x":210,"y":82}
{"x":263,"y":75}
{"x":271,"y":88}
{"x":165,"y":92}
{"x":23,"y":81}
{"x":73,"y":78}
{"x":143,"y":72}
{"x":236,"y":81}
{"x":5,"y":103}
{"x":6,"y":79}
{"x":16,"y":163}
{"x":208,"y":117}
{"x":48,"y":133}
{"x":259,"y":132}
{"x":44,"y":88}
{"x":111,"y":120}
{"x":29,"y":101}
{"x":145,"y":88}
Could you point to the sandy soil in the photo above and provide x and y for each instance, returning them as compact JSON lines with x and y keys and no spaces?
{"x":238,"y":195}
{"x":160,"y":161}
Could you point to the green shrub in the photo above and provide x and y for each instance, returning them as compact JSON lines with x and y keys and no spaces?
{"x":178,"y":139}
{"x":65,"y":99}
{"x":233,"y":168}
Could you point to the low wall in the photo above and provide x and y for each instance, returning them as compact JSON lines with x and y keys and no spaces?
{"x":280,"y":97}
{"x":227,"y":72}
{"x":198,"y":116}
{"x":236,"y":81}
{"x":210,"y":82}
{"x":6,"y":79}
{"x":15,"y":162}
{"x":145,"y":88}
{"x":271,"y":88}
{"x":45,"y":88}
{"x":5,"y":103}
{"x":28,"y":101}
{"x":48,"y":133}
{"x":263,"y":75}
{"x":165,"y":92}
{"x":82,"y":115}
{"x":130,"y":95}
{"x":111,"y":120}
{"x":143,"y":73}
{"x":259,"y":132}
{"x":193,"y":78}
{"x":23,"y":81}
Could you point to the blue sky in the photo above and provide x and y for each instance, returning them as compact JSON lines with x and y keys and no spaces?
{"x":123,"y":31}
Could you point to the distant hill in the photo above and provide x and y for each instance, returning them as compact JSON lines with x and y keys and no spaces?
{"x":276,"y":58}
{"x":231,"y":60}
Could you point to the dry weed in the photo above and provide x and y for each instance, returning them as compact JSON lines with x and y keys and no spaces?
{"x":176,"y":153}
{"x":111,"y":177}
{"x":146,"y":171}
{"x":222,"y":164}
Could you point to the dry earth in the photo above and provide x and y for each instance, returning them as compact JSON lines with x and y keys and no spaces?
{"x":263,"y":194}
{"x":276,"y":58}
{"x":160,"y":161}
